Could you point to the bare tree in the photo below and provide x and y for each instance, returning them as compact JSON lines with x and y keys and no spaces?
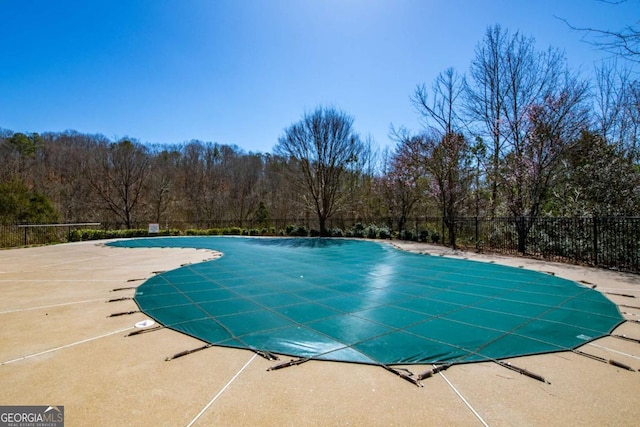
{"x":443,"y":111}
{"x":449,"y":164}
{"x":405,"y":182}
{"x":160,"y":192}
{"x":361,"y":202}
{"x":280,"y":194}
{"x":632,"y":112}
{"x":447,"y":154}
{"x":617,"y":106}
{"x":61,"y":174}
{"x":531,"y":77}
{"x":202,"y":182}
{"x":507,"y":76}
{"x":611,"y":83}
{"x":485,"y":94}
{"x":530,"y":170}
{"x":118,"y":172}
{"x":322,"y":146}
{"x":243,"y":174}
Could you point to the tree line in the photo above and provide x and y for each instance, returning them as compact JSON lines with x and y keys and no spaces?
{"x":76,"y":177}
{"x":519,"y":135}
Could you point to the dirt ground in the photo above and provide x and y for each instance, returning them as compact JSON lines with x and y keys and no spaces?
{"x":58,"y":346}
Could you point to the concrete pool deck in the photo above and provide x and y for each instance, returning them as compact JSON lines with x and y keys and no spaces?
{"x":59,"y":347}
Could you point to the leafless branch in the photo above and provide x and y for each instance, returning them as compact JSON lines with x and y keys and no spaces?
{"x":624,"y":43}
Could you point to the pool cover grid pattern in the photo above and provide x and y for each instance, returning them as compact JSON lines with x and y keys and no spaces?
{"x":366,"y":302}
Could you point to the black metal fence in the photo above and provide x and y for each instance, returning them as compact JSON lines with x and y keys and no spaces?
{"x":609,"y":242}
{"x":12,"y":236}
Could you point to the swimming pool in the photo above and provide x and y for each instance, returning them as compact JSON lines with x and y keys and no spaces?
{"x":367,"y":302}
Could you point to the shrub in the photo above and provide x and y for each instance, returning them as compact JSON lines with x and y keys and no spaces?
{"x":232,"y":231}
{"x":336,"y":232}
{"x":90,"y":234}
{"x":81,"y":235}
{"x":384,"y":232}
{"x":357,"y":230}
{"x":170,"y":232}
{"x":406,"y":235}
{"x":294,"y":230}
{"x":371,"y":231}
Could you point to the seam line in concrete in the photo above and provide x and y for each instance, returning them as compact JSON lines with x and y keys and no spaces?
{"x":221,"y":391}
{"x":65,"y":346}
{"x":50,"y":306}
{"x":464,"y":400}
{"x":614,"y":351}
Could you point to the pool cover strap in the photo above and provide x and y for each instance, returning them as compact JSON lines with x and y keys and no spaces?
{"x":187,"y":352}
{"x":604,"y":360}
{"x":123,"y":313}
{"x":522,"y":371}
{"x":432,"y":372}
{"x":292,"y":362}
{"x":626,"y":338}
{"x":404,"y":374}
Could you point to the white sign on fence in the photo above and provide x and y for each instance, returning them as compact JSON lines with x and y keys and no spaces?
{"x":154,"y":228}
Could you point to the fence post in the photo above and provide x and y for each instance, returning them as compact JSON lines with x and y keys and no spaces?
{"x":521,"y":227}
{"x":477,"y":236}
{"x":595,"y":240}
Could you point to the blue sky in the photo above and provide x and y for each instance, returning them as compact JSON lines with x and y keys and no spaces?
{"x":239,"y":72}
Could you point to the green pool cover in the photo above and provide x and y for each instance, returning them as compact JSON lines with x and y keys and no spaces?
{"x":367,"y":302}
